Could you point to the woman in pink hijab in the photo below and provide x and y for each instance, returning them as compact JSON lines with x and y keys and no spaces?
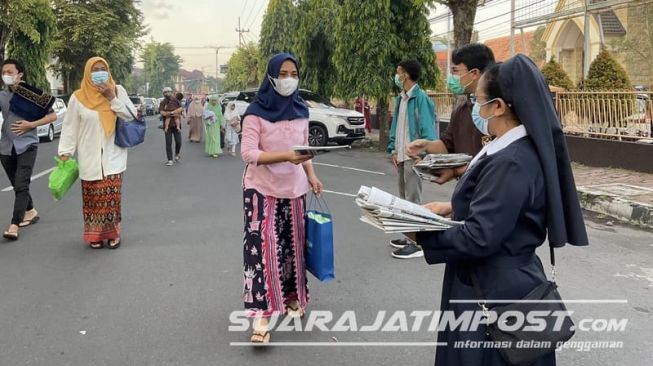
{"x":195,"y":111}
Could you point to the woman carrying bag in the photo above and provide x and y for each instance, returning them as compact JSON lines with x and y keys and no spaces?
{"x":89,"y":130}
{"x":275,"y":184}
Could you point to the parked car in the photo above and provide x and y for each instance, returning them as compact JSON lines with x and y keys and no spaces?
{"x":151,"y":107}
{"x":139,"y":103}
{"x":49,"y":131}
{"x":326,"y":122}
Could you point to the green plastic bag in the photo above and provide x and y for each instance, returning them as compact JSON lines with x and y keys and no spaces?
{"x":63,"y":177}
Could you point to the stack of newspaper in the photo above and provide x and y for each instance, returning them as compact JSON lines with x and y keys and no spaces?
{"x":428,"y":167}
{"x":394,"y":215}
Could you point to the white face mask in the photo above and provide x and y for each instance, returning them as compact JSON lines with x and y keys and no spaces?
{"x":285,"y":87}
{"x":8,"y":79}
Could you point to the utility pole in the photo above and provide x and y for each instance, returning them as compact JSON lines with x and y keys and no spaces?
{"x":512,"y":28}
{"x":240,"y":32}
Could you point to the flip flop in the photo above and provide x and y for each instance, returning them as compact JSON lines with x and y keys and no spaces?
{"x":116,"y":245}
{"x":10,"y":236}
{"x":27,"y":223}
{"x":264,"y":337}
{"x":97,"y":245}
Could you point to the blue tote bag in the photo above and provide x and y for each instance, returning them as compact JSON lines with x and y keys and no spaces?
{"x":130,"y":133}
{"x":319,"y":240}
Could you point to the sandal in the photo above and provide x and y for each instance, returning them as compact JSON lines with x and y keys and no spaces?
{"x":114,"y":244}
{"x":27,"y":223}
{"x":295,"y":311}
{"x":260,"y":336}
{"x":96,"y":245}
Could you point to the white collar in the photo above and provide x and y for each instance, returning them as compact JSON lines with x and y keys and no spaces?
{"x":501,"y":143}
{"x":409,"y":93}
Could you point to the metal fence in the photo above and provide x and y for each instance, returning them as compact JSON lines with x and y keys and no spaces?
{"x":617,"y":115}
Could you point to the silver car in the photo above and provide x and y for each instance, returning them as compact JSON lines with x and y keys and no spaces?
{"x":49,"y":131}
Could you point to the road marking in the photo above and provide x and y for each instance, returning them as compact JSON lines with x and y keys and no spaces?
{"x":339,"y":193}
{"x":349,"y":168}
{"x":338,"y":344}
{"x":35,"y":177}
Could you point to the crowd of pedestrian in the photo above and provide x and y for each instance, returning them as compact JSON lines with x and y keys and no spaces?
{"x":515,"y":194}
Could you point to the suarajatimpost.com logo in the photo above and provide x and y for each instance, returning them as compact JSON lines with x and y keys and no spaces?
{"x":420,"y":321}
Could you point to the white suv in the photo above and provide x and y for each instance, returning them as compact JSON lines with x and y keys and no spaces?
{"x":326,"y":122}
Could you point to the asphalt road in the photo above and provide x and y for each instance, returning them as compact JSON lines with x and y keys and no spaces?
{"x":166,"y":296}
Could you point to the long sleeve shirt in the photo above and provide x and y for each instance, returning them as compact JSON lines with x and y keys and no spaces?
{"x":82,"y":133}
{"x":280,"y":180}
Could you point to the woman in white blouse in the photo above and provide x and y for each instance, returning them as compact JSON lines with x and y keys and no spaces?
{"x":89,"y":129}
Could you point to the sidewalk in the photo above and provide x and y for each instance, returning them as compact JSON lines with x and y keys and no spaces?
{"x":620,"y":194}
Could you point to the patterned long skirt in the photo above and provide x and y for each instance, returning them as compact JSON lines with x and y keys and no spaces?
{"x":102,"y":208}
{"x":274,"y":273}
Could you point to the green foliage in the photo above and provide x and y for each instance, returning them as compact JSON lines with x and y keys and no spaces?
{"x":606,"y":73}
{"x":278,"y":30}
{"x":556,"y":76}
{"x":26,"y":29}
{"x":315,"y":44}
{"x":160,"y":66}
{"x":106,"y":28}
{"x":538,"y":45}
{"x":242,"y":69}
{"x":412,"y":28}
{"x":364,"y":49}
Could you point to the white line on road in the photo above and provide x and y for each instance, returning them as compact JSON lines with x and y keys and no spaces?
{"x":338,"y":344}
{"x":35,"y":177}
{"x":349,"y":168}
{"x":340,"y":193}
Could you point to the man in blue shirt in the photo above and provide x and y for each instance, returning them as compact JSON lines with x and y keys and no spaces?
{"x":18,"y":146}
{"x":414,"y":118}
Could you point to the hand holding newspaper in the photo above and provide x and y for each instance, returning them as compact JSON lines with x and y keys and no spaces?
{"x":429,"y":166}
{"x":394,"y":215}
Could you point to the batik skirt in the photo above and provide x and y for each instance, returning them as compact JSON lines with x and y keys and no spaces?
{"x":274,"y":272}
{"x":102,"y":208}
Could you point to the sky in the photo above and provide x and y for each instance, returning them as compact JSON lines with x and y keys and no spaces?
{"x":202,"y":23}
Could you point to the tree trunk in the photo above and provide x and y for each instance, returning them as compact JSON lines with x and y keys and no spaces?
{"x":464,"y":13}
{"x":384,"y":123}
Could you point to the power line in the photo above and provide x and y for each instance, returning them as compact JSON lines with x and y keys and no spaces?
{"x":258,"y":13}
{"x":251,"y":10}
{"x":244,"y":7}
{"x":241,"y":32}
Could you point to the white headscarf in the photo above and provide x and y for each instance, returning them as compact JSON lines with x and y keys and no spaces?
{"x":229,"y":114}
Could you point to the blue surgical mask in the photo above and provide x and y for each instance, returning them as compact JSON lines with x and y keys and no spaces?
{"x":398,"y":82}
{"x":99,"y":77}
{"x":480,"y":122}
{"x":453,"y":82}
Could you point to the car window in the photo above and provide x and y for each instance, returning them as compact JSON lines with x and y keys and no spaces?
{"x":135,"y":100}
{"x":315,"y":101}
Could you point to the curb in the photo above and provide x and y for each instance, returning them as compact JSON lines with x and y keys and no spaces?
{"x":634,"y":213}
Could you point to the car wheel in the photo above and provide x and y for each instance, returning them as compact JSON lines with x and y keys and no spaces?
{"x":50,"y":136}
{"x":317,"y":135}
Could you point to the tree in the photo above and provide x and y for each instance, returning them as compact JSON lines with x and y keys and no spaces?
{"x":315,"y":44}
{"x":464,"y":13}
{"x":242,"y":68}
{"x":556,"y":76}
{"x":606,"y":73}
{"x":26,"y":28}
{"x":160,"y":65}
{"x":538,"y":46}
{"x":278,"y":30}
{"x":107,"y":28}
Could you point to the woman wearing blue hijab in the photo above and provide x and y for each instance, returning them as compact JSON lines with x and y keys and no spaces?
{"x":517,"y":193}
{"x":275,"y":184}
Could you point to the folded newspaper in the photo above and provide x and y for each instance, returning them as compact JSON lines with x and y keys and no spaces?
{"x":394,"y":215}
{"x":427,"y":168}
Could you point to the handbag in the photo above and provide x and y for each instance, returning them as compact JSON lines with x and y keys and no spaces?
{"x":319,"y":240}
{"x":30,"y":102}
{"x":130,"y":133}
{"x":530,"y":341}
{"x":63,"y":177}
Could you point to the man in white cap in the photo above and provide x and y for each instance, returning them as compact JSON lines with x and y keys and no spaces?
{"x":170,"y":110}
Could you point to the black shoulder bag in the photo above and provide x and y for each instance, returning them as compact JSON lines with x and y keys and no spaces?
{"x":545,"y":323}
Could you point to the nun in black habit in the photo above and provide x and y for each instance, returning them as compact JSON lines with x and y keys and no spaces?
{"x":516,"y":191}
